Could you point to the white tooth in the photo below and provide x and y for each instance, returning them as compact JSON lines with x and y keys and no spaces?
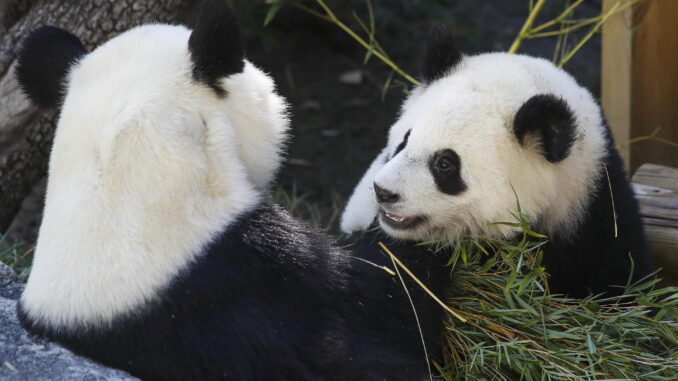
{"x":393,"y":217}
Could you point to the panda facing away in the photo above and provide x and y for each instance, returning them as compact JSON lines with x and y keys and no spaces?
{"x":482,"y":126}
{"x":158,"y":252}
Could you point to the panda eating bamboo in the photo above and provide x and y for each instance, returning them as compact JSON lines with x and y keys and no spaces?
{"x":484,"y":129}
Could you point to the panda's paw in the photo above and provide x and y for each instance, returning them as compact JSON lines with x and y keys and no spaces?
{"x":357,"y":220}
{"x":361,"y":209}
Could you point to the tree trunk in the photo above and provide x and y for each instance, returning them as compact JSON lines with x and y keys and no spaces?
{"x":26,"y":132}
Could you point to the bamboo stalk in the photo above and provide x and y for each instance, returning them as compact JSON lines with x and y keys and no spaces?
{"x":421,"y":284}
{"x":333,"y":18}
{"x":590,"y":34}
{"x":557,"y":19}
{"x":526,"y":27}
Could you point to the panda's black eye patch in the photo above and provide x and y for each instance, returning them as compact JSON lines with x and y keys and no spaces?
{"x":445,"y":166}
{"x":402,"y":144}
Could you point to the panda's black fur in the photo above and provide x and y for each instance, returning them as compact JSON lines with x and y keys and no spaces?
{"x":58,"y":50}
{"x":216,"y":51}
{"x":598,"y":258}
{"x":273,"y":299}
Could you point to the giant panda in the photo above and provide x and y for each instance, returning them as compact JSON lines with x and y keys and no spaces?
{"x":484,"y":129}
{"x":158,"y":252}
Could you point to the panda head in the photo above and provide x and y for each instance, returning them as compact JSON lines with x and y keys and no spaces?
{"x":165,"y":136}
{"x":478,"y":128}
{"x":176,"y":85}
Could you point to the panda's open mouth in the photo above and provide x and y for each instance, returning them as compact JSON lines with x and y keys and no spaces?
{"x":400,"y":222}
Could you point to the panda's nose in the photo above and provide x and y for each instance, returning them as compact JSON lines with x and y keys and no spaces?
{"x":385,"y":196}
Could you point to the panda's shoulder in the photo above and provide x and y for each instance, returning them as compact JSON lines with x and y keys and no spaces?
{"x":270,"y":234}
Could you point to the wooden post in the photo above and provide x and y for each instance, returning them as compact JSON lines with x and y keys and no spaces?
{"x":616,"y":75}
{"x":640,"y":79}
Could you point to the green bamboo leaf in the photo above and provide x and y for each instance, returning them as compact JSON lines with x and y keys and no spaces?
{"x":368,"y":54}
{"x":513,"y":224}
{"x":525,"y":282}
{"x":509,"y":300}
{"x":272,"y":11}
{"x":489,"y":263}
{"x":592,"y":346}
{"x":537,"y":261}
{"x":642,"y":286}
{"x":533,"y":234}
{"x":525,"y":305}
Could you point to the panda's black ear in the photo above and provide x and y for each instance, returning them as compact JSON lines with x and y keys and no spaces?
{"x":43,"y":62}
{"x":441,"y":53}
{"x":551,"y":120}
{"x":215,"y":45}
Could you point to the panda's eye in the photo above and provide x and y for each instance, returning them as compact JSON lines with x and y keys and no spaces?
{"x":445,"y":167}
{"x":444,"y":164}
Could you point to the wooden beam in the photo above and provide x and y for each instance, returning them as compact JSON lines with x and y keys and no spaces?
{"x":656,"y":188}
{"x":616,"y":75}
{"x":658,"y":176}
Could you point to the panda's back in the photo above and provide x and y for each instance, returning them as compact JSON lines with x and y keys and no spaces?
{"x":234,"y":312}
{"x":272,"y":298}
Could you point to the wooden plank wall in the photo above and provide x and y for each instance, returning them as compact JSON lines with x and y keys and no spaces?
{"x":640,"y":79}
{"x":654,"y":84}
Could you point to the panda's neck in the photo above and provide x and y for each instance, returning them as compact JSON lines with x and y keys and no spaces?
{"x":595,"y":214}
{"x":610,"y":220}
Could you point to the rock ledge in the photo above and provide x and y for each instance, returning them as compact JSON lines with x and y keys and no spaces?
{"x":26,"y":357}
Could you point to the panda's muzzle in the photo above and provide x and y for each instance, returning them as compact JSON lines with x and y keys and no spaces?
{"x":386,"y":197}
{"x":400,"y":222}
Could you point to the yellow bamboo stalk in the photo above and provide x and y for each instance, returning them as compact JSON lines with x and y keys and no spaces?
{"x":590,"y":34}
{"x":414,"y":277}
{"x":565,"y":30}
{"x":333,"y":18}
{"x":577,"y":24}
{"x":526,"y":27}
{"x":557,"y":19}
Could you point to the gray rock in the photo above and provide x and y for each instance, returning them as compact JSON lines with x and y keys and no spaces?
{"x":27,"y":357}
{"x":10,"y":287}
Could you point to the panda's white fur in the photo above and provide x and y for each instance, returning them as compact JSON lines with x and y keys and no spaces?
{"x":361,"y":209}
{"x":472,"y":110}
{"x":159,"y":252}
{"x":138,"y":184}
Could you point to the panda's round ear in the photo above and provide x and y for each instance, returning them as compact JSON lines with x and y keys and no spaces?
{"x":551,"y":120}
{"x":215,"y":45}
{"x":441,"y":53}
{"x":43,"y":62}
